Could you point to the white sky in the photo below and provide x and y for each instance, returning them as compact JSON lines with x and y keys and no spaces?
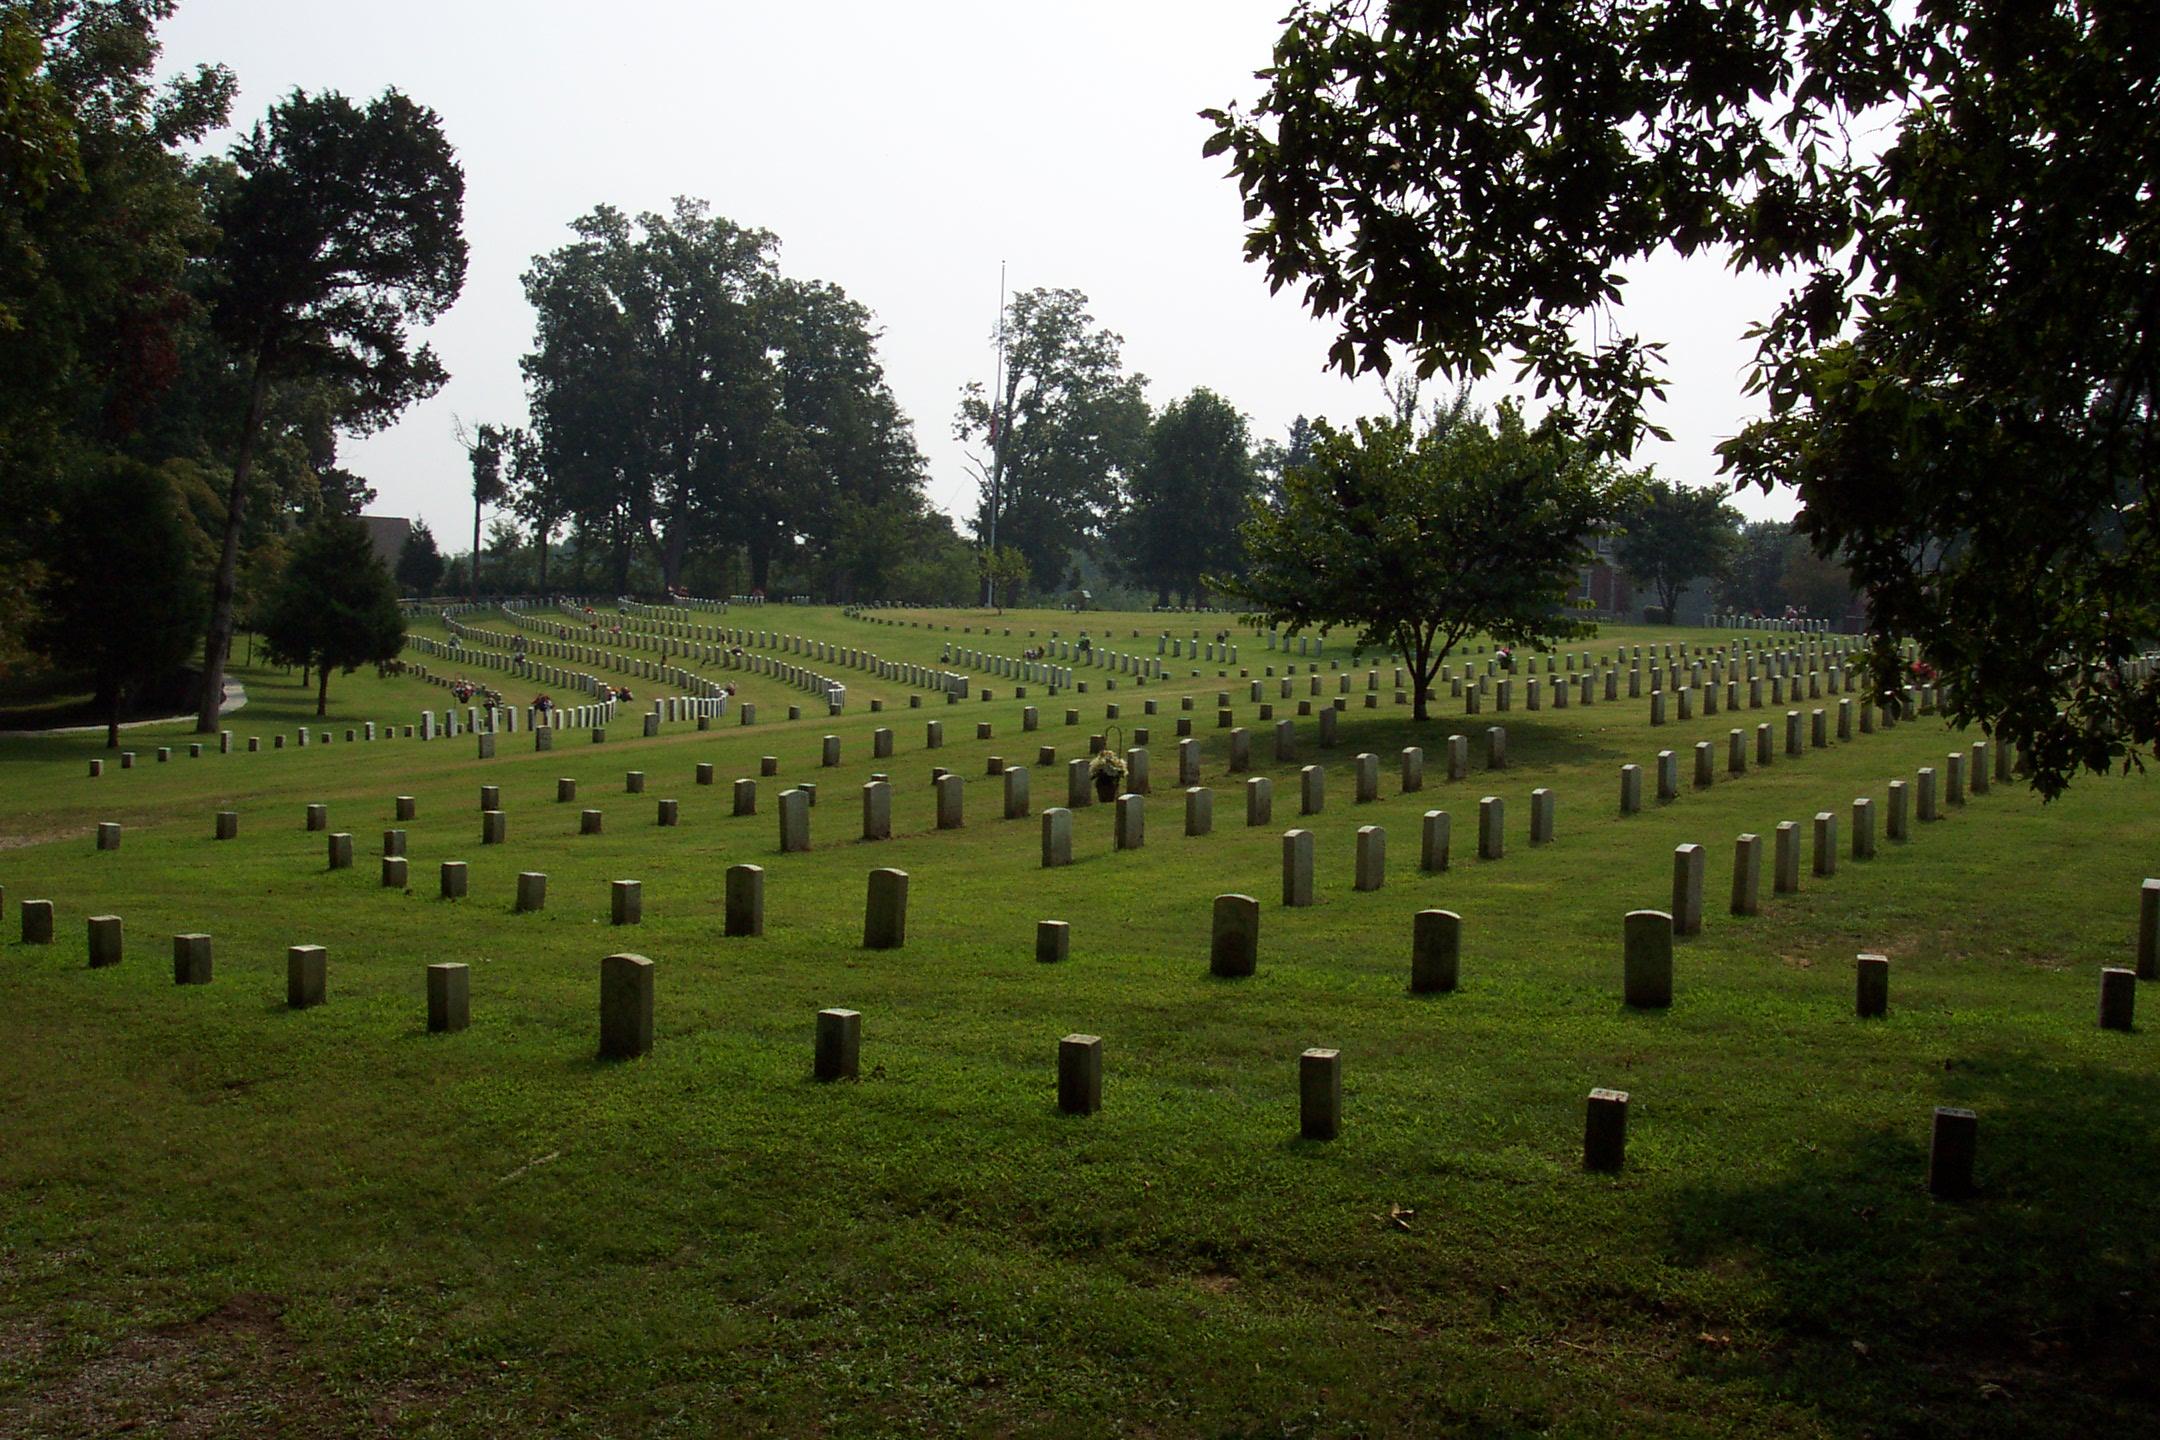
{"x":900,"y":151}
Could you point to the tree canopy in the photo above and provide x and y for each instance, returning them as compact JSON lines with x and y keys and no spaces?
{"x":334,"y":605}
{"x":1418,"y":537}
{"x":1187,"y":497}
{"x":1961,"y":385}
{"x":1673,"y":535}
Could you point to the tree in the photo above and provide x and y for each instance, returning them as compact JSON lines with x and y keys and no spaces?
{"x":1674,"y":535}
{"x":1419,"y":538}
{"x":419,"y":563}
{"x":341,"y":227}
{"x":1755,"y":576}
{"x":484,"y":450}
{"x":98,"y":218}
{"x":1973,"y":298}
{"x":120,"y":598}
{"x":1187,"y":497}
{"x":334,"y":605}
{"x":1004,"y":571}
{"x":1067,"y":428}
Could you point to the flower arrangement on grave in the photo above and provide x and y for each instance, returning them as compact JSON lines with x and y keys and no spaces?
{"x":1108,"y":773}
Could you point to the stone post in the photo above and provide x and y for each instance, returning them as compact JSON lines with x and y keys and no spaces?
{"x":1951,"y":1151}
{"x":191,"y":959}
{"x":1320,"y":1094}
{"x":2148,"y":944}
{"x":626,"y":902}
{"x":1017,"y":805}
{"x":1630,"y":789}
{"x":1312,"y":789}
{"x":1131,"y":822}
{"x":1863,"y":829}
{"x":1689,"y":862}
{"x":1491,"y":828}
{"x":745,"y":900}
{"x":307,"y":969}
{"x":1668,"y":775}
{"x":1297,"y":867}
{"x":531,"y":892}
{"x":453,"y":880}
{"x":2118,"y":998}
{"x":1605,"y":1131}
{"x":1053,"y":941}
{"x":1433,"y":841}
{"x":1541,"y":816}
{"x":1199,"y":811}
{"x":794,"y":821}
{"x":1371,"y":857}
{"x":106,"y":941}
{"x":1871,"y":987}
{"x":589,"y":822}
{"x":1825,"y":844}
{"x":449,"y":997}
{"x":1080,"y":1074}
{"x":1894,"y":824}
{"x":1927,"y":795}
{"x":1747,"y":875}
{"x":1496,"y":747}
{"x":839,"y":1045}
{"x":1787,"y":881}
{"x":626,"y":1007}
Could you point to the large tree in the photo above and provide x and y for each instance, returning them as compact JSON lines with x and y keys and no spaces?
{"x":1673,"y":535}
{"x":341,"y":229}
{"x":1055,"y":442}
{"x":1962,"y":383}
{"x":335,"y":605}
{"x":1419,"y":536}
{"x":1186,"y":498}
{"x":98,"y":218}
{"x":485,"y":449}
{"x":419,"y":562}
{"x":120,"y":600}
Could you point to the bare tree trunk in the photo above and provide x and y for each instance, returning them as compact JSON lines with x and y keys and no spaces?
{"x":322,"y":693}
{"x":217,"y":645}
{"x":473,"y":594}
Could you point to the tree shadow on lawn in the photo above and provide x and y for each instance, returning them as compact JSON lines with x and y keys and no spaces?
{"x":2033,"y":1308}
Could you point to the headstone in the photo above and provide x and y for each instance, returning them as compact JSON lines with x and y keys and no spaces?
{"x":1017,"y":805}
{"x":307,"y":969}
{"x":1647,"y":980}
{"x":228,"y":824}
{"x":1668,"y":775}
{"x":1687,"y":889}
{"x":453,"y":880}
{"x":318,"y":817}
{"x":590,"y":821}
{"x":394,"y":872}
{"x":2118,"y":998}
{"x":1871,"y":987}
{"x":1605,"y":1131}
{"x":191,"y":959}
{"x":1927,"y":795}
{"x":1541,"y":816}
{"x":1131,"y":822}
{"x":885,"y":910}
{"x":1435,"y":951}
{"x":745,"y":900}
{"x":2148,"y":943}
{"x":1320,"y":1094}
{"x":1787,"y":858}
{"x":1630,"y":789}
{"x":1496,"y":747}
{"x":1053,"y":941}
{"x":1894,"y":824}
{"x":626,"y":902}
{"x":1371,"y":857}
{"x":1234,"y":949}
{"x":794,"y":821}
{"x":1863,"y":829}
{"x":531,"y":892}
{"x":1433,"y":842}
{"x":105,"y":938}
{"x":1199,"y":811}
{"x":341,"y":851}
{"x":1747,"y":875}
{"x":1312,"y":790}
{"x":1825,"y":863}
{"x":1492,"y":839}
{"x":1297,"y":867}
{"x":1951,"y":1151}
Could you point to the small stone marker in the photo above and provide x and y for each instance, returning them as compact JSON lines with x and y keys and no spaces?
{"x":633,"y":783}
{"x":885,"y":910}
{"x":491,"y":797}
{"x":1705,"y":764}
{"x":1630,"y":789}
{"x":1458,"y":757}
{"x":395,"y":871}
{"x":1320,"y":1094}
{"x":1787,"y":881}
{"x":1259,"y":801}
{"x":1871,"y":987}
{"x":1668,"y":775}
{"x":1297,"y":868}
{"x":1541,"y":816}
{"x":745,"y":797}
{"x":1433,"y":838}
{"x":1747,"y":875}
{"x":318,"y":817}
{"x":393,"y":842}
{"x":626,"y":902}
{"x":1647,"y":978}
{"x":108,"y":835}
{"x":1053,"y":941}
{"x":1863,"y":829}
{"x":1927,"y":795}
{"x":745,"y":904}
{"x":1312,"y":790}
{"x":531,"y":892}
{"x":1017,"y":804}
{"x":838,"y":1055}
{"x":1491,"y":828}
{"x":565,"y":791}
{"x":589,"y":822}
{"x":408,"y":807}
{"x":1736,"y":752}
{"x":449,"y":998}
{"x":454,"y":879}
{"x":1687,"y":887}
{"x":494,"y":827}
{"x":1056,"y":837}
{"x":37,"y":922}
{"x":1605,"y":1131}
{"x":1131,"y":822}
{"x":1894,"y":823}
{"x":1079,"y":1081}
{"x":626,"y":1007}
{"x":1951,"y":1151}
{"x":831,"y":754}
{"x":341,"y":851}
{"x":770,"y":764}
{"x":228,"y":824}
{"x":106,"y":943}
{"x":1496,"y":747}
{"x":794,"y":821}
{"x":877,"y":809}
{"x":1435,"y":951}
{"x":1234,"y":947}
{"x":1413,"y":770}
{"x":1199,"y":811}
{"x":2148,"y":943}
{"x":668,"y":814}
{"x":1371,"y":857}
{"x":307,"y":969}
{"x":191,"y":959}
{"x":2118,"y":998}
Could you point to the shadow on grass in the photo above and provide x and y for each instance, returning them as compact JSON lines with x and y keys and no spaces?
{"x":2033,"y":1308}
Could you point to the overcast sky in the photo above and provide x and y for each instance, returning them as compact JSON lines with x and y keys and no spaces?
{"x":901,"y":151}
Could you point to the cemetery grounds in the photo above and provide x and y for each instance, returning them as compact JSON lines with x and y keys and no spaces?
{"x":222,"y":1215}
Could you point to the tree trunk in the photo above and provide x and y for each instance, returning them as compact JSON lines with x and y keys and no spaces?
{"x":112,"y":717}
{"x":217,"y":645}
{"x":322,"y":692}
{"x":474,"y":594}
{"x":540,"y":538}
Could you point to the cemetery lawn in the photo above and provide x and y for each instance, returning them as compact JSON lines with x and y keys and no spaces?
{"x":220,"y":1216}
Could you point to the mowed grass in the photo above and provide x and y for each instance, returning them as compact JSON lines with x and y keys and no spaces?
{"x":221,"y":1216}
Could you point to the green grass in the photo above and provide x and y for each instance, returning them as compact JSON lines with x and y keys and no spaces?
{"x":224,"y":1217}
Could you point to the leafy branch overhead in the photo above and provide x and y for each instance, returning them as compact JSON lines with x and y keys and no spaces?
{"x":1961,"y":384}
